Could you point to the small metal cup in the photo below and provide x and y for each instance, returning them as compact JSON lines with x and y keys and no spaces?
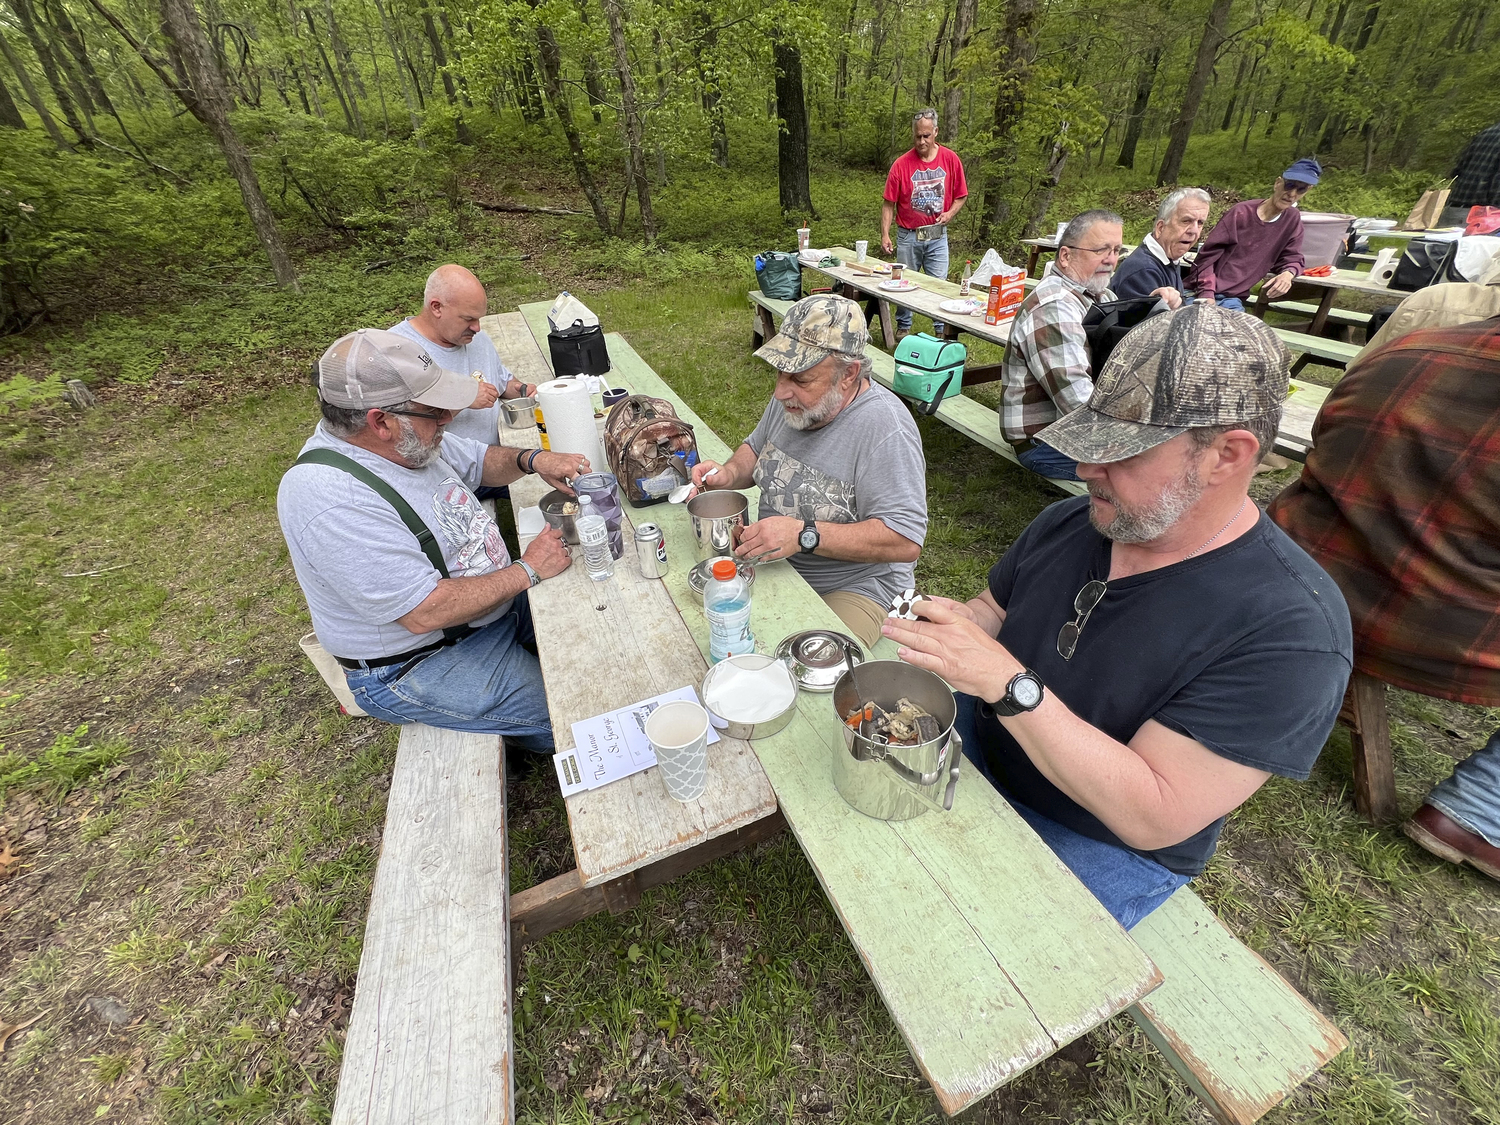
{"x":518,"y":413}
{"x":717,"y":517}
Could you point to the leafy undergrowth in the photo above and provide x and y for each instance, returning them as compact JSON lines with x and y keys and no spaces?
{"x":184,"y":872}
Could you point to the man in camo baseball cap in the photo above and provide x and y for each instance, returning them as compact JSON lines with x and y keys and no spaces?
{"x":815,"y":328}
{"x":1193,"y":367}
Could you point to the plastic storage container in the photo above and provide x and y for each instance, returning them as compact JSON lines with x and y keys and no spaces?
{"x":726,"y":602}
{"x":593,"y":537}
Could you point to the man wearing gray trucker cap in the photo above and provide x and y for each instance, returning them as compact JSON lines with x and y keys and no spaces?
{"x":408,"y":582}
{"x":843,"y":484}
{"x":1146,"y":656}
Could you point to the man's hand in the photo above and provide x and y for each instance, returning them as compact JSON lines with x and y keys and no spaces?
{"x":558,"y":468}
{"x":886,"y":246}
{"x":547,"y":554}
{"x":517,"y":389}
{"x":485,"y":396}
{"x":1168,"y":294}
{"x":774,"y":537}
{"x":1278,"y":285}
{"x":707,"y":475}
{"x":946,"y":640}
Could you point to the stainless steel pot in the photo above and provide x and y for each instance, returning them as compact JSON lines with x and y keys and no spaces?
{"x":752,"y":662}
{"x":896,"y":782}
{"x":518,"y":413}
{"x":551,"y":505}
{"x":717,"y":517}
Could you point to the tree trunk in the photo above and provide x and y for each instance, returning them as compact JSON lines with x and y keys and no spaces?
{"x":1372,"y":13}
{"x":1015,"y":48}
{"x":963,"y":26}
{"x":400,"y":61}
{"x":932,"y":59}
{"x":10,"y":114}
{"x":440,"y":57}
{"x":73,"y":39}
{"x":791,"y":139}
{"x":1053,"y":177}
{"x":705,"y":42}
{"x":29,"y":89}
{"x":1234,"y":91}
{"x":206,"y":99}
{"x":1145,"y":81}
{"x":43,"y":49}
{"x":1192,"y":97}
{"x":841,"y":75}
{"x":593,"y":83}
{"x":634,"y":128}
{"x":350,"y":108}
{"x":552,"y":84}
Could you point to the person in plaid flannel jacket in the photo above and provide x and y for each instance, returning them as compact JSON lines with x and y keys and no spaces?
{"x":1400,"y":502}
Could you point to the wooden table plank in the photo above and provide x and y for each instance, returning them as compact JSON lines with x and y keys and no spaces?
{"x":595,"y":660}
{"x":430,"y":1034}
{"x":964,"y":956}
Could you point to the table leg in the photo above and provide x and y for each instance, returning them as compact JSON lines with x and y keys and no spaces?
{"x":1031,"y":261}
{"x":1370,"y":733}
{"x":888,"y":325}
{"x":1320,"y":318}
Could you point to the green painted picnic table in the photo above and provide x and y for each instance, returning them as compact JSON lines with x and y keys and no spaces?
{"x":988,"y":953}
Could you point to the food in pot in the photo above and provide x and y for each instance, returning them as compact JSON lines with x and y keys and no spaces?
{"x":570,"y":508}
{"x":907,"y":725}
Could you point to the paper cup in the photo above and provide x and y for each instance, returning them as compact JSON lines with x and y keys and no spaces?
{"x":861,"y":248}
{"x":678,"y":732}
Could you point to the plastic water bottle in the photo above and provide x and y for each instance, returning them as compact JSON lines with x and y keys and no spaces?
{"x":726,"y":601}
{"x":593,"y":537}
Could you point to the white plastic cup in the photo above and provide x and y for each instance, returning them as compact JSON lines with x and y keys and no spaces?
{"x":804,"y":237}
{"x":678,"y":732}
{"x":861,"y":248}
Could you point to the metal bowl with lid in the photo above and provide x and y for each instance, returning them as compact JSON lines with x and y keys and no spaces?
{"x":698,"y":577}
{"x":818,"y":657}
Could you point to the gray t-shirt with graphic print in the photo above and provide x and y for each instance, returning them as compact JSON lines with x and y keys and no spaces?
{"x":359,"y":566}
{"x":865,"y":464}
{"x":479,"y":355}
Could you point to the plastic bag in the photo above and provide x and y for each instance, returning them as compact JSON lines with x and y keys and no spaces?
{"x":988,"y":266}
{"x":567,"y":311}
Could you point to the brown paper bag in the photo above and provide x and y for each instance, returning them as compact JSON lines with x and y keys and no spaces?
{"x":1425,"y":214}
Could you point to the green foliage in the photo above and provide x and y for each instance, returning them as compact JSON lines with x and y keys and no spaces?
{"x":59,"y":769}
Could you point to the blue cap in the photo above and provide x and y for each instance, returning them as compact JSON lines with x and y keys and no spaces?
{"x":1304,"y":171}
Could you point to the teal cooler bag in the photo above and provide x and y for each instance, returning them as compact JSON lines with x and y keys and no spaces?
{"x":929,"y":370}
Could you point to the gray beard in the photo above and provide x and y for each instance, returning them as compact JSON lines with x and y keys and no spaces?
{"x":820,"y":414}
{"x":413,"y":450}
{"x":1152,"y":521}
{"x":1097,"y":283}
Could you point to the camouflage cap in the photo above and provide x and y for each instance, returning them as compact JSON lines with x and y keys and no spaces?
{"x":814,"y":329}
{"x":1199,"y":365}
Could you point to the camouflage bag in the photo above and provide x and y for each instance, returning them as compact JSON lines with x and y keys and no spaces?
{"x":651,"y":451}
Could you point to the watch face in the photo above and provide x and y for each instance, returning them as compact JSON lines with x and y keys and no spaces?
{"x":1026,"y":692}
{"x":808,"y":539}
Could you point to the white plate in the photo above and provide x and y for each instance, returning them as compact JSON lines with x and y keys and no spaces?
{"x":896,"y":286}
{"x":964,"y":307}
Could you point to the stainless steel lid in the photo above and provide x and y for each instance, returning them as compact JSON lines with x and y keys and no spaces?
{"x":699,"y":576}
{"x":817,"y":657}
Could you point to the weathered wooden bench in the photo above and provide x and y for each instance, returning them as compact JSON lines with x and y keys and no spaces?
{"x":1237,"y":1033}
{"x":430,"y":1037}
{"x":1350,"y":318}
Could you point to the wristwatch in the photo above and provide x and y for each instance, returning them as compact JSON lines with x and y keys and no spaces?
{"x":1023,"y":693}
{"x":531,"y":574}
{"x":809,"y":539}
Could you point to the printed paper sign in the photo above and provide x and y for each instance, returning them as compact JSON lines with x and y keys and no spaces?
{"x":614,"y":745}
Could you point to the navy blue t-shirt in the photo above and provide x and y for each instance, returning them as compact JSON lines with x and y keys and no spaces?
{"x":1245,"y":649}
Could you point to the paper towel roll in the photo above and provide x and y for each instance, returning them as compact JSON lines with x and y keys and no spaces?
{"x":1384,"y":267}
{"x":569,"y":412}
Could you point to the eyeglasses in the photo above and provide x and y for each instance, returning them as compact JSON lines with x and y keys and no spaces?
{"x":444,"y":418}
{"x":1096,"y":249}
{"x":1083,"y":605}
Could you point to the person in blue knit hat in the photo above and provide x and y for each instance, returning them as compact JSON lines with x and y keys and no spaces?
{"x":1254,"y":240}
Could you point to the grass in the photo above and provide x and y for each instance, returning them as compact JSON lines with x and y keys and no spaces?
{"x":202,"y":852}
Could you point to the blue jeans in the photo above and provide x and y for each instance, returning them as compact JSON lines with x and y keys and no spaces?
{"x":1232,"y":303}
{"x":488,"y":683}
{"x":930,"y":258}
{"x":1128,"y":885}
{"x":1042,"y":458}
{"x":1471,"y":797}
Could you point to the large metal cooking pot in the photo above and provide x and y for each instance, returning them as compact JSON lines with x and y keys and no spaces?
{"x":518,"y":413}
{"x":717,"y":517}
{"x":896,"y":782}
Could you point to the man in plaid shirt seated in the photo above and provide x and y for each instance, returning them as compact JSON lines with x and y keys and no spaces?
{"x":1047,"y":371}
{"x":1400,"y":503}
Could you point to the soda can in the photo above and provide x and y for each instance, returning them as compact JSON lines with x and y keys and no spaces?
{"x":651,"y":550}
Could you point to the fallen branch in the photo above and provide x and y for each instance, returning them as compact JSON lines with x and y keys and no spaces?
{"x":95,"y":573}
{"x":525,"y":208}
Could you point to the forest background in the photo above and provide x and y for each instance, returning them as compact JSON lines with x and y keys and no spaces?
{"x":197,"y":196}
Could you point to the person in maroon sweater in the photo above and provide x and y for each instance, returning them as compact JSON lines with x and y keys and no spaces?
{"x":1255,"y":239}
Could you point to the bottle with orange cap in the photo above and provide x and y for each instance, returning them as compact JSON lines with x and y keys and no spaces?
{"x":726,"y":602}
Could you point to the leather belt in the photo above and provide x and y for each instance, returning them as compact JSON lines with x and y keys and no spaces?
{"x":399,"y":658}
{"x":1022,"y":446}
{"x":930,"y":233}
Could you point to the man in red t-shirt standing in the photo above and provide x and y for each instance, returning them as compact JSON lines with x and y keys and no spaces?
{"x":925,"y":189}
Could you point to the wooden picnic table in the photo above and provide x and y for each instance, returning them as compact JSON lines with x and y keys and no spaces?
{"x":955,"y":915}
{"x":1351,"y":281}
